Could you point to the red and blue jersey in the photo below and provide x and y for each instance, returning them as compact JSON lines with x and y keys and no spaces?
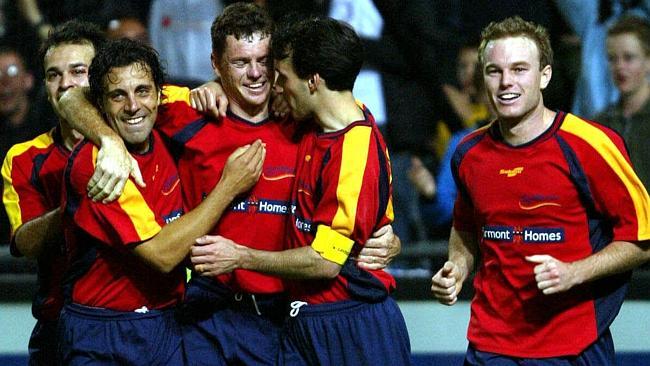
{"x":342,"y":195}
{"x":256,"y":219}
{"x":104,"y":272}
{"x":568,"y":193}
{"x":32,"y":173}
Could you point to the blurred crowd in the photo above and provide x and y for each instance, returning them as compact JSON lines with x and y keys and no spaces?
{"x":421,"y":78}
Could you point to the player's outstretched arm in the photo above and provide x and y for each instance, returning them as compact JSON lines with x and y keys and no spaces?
{"x":209,"y":98}
{"x":172,"y":244}
{"x":32,"y":237}
{"x":114,"y":163}
{"x":380,"y":249}
{"x":214,"y":255}
{"x":448,"y":281}
{"x":554,"y":276}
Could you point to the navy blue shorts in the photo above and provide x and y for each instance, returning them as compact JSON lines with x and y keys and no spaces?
{"x":225,"y":328}
{"x":94,"y":336}
{"x":600,"y":352}
{"x":346,"y":333}
{"x":43,"y":343}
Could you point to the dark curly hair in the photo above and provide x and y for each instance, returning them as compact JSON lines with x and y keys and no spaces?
{"x":321,"y":46}
{"x":120,"y":53}
{"x":239,"y":20}
{"x":73,"y":32}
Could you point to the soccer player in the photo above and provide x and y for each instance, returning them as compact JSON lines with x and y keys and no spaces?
{"x":237,"y":318}
{"x":550,"y":212}
{"x":124,"y":279}
{"x":32,"y":174}
{"x":340,"y":314}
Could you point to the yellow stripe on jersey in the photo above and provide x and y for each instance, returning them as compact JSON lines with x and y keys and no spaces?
{"x":135,"y":206}
{"x":353,"y":165}
{"x":9,"y":195}
{"x":332,"y":245}
{"x":173,"y":93}
{"x":616,"y":161}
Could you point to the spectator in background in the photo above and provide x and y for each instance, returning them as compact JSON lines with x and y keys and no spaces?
{"x":462,"y":97}
{"x":127,"y":27}
{"x":438,"y":193}
{"x":180,"y":32}
{"x":20,"y":118}
{"x":595,"y":90}
{"x":408,"y":54}
{"x":43,"y":14}
{"x":628,"y":51}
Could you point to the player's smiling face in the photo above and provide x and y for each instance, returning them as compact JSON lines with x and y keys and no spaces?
{"x":244,"y":70}
{"x":513,"y":79}
{"x":130,"y":102}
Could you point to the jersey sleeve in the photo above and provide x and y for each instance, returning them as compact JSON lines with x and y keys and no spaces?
{"x":22,"y":197}
{"x":617,"y":192}
{"x":128,"y":220}
{"x":463,"y":211}
{"x":176,"y":118}
{"x":355,"y":198}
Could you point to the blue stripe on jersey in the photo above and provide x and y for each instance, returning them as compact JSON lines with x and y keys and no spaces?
{"x":463,"y":148}
{"x":189,"y":131}
{"x":362,"y":284}
{"x":384,"y":181}
{"x":38,"y":160}
{"x":72,"y":199}
{"x":610,"y":291}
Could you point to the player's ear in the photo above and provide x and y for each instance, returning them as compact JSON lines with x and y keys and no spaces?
{"x":215,"y":63}
{"x":547,"y":72}
{"x":313,"y":82}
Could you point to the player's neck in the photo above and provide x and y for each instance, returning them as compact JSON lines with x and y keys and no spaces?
{"x":69,"y":136}
{"x":532,"y":125}
{"x":336,"y":110}
{"x":251,"y":113}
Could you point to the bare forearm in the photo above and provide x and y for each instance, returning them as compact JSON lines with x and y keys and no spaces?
{"x":617,"y":257}
{"x":84,"y":117}
{"x":172,"y":244}
{"x":463,"y":251}
{"x":299,"y":263}
{"x":33,"y":236}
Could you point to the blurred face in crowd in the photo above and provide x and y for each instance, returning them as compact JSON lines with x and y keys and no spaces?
{"x":244,"y":71}
{"x":294,"y":89}
{"x":130,"y":103}
{"x":513,"y":79}
{"x":15,"y":84}
{"x":467,"y":61}
{"x":628,"y":63}
{"x":130,"y":28}
{"x":66,"y":66}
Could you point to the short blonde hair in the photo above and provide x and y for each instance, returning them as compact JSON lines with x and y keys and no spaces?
{"x":515,"y":27}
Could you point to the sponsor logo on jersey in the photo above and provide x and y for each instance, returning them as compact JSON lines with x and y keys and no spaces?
{"x":169,"y":185}
{"x":278,"y":173}
{"x":173,"y":216}
{"x":512,"y":172}
{"x":526,"y":235}
{"x":302,"y":224}
{"x":254,"y":205}
{"x":531,"y":202}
